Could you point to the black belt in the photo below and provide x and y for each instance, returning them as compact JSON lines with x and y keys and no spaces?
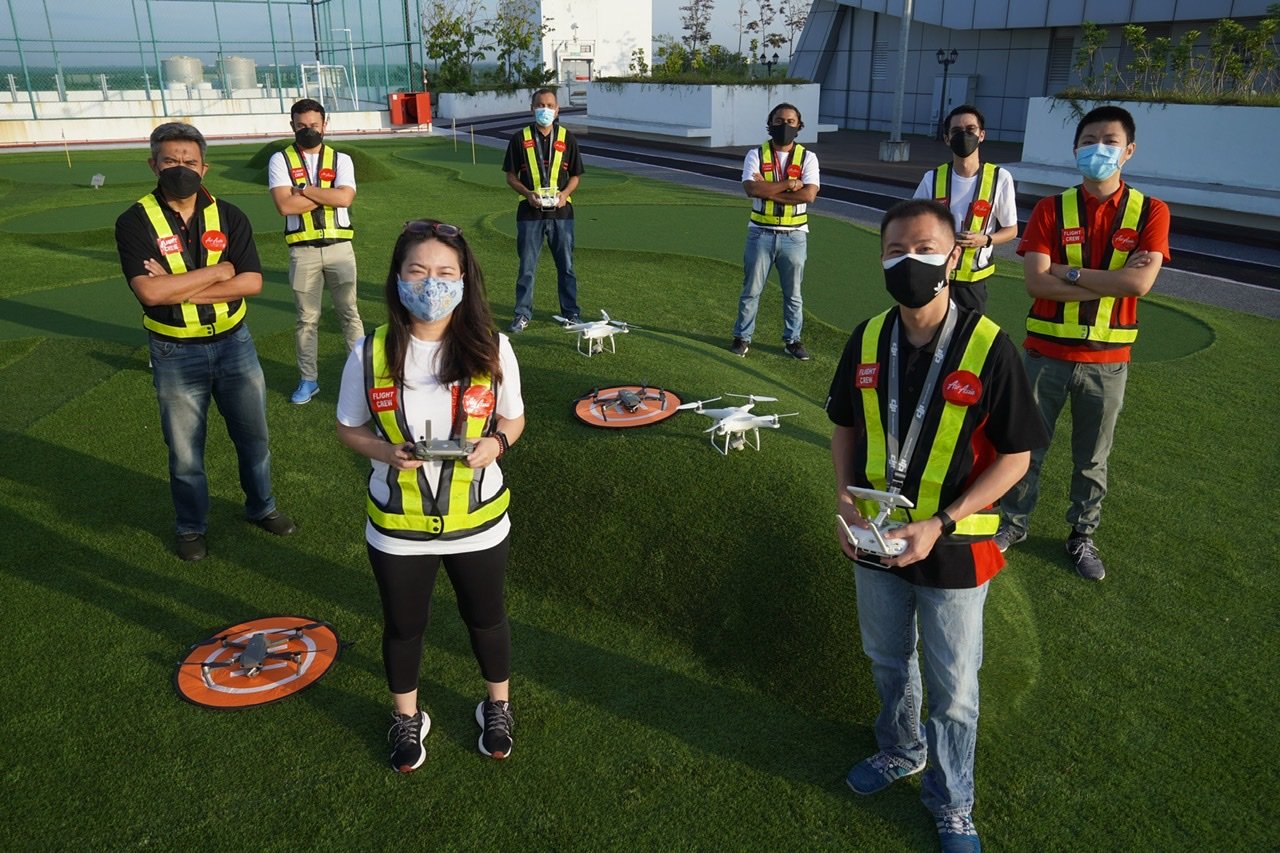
{"x":319,"y":244}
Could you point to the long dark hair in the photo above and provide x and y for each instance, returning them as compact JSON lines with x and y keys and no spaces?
{"x":470,"y":343}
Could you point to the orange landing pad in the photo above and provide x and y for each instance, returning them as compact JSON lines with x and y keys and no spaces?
{"x":612,"y":407}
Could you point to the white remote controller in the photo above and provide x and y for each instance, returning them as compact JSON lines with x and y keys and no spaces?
{"x":871,"y":539}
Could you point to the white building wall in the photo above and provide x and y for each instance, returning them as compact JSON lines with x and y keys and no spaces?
{"x":613,"y":28}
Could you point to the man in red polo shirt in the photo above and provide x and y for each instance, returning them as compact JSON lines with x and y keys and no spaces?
{"x":1088,"y":255}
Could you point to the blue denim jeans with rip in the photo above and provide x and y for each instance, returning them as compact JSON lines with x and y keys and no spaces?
{"x":186,"y":377}
{"x":768,"y":248}
{"x":893,"y":616}
{"x":558,"y":235}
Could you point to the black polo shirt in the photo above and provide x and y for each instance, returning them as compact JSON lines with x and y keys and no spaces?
{"x":1004,"y":419}
{"x":518,"y":162}
{"x":136,"y":242}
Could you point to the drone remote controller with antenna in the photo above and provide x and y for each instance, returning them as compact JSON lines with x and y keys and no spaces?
{"x":871,"y":538}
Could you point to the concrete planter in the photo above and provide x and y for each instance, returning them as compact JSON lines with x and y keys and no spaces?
{"x":715,"y":116}
{"x":458,"y":106}
{"x":1206,"y":161}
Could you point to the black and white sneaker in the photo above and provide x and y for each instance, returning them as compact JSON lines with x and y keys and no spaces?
{"x":494,"y":720}
{"x":406,"y":736}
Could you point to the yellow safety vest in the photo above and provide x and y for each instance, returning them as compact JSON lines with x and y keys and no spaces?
{"x":967,"y":270}
{"x":412,"y":510}
{"x":771,"y":213}
{"x":186,"y":321}
{"x":1092,"y":321}
{"x":321,"y":223}
{"x":944,"y":443}
{"x":558,"y":149}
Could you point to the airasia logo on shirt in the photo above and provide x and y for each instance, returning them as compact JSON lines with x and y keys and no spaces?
{"x":1125,"y":240}
{"x":1072,"y":236}
{"x":559,"y":145}
{"x":478,"y":401}
{"x":382,"y":400}
{"x":214,"y":241}
{"x":962,"y":388}
{"x":327,"y":174}
{"x":982,"y":208}
{"x":793,"y":171}
{"x":867,"y":376}
{"x":170,"y":245}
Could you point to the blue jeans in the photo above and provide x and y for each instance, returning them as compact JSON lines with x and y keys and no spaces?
{"x":558,"y":235}
{"x":766,"y":249}
{"x":186,"y":376}
{"x":950,"y":625}
{"x":1096,"y":392}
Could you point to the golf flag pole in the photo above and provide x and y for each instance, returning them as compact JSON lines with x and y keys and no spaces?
{"x":473,"y":145}
{"x":66,"y":148}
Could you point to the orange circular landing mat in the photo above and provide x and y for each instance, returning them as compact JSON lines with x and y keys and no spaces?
{"x":624,"y":406}
{"x":257,"y":662}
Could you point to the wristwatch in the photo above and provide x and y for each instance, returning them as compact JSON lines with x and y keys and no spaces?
{"x":1073,"y":275}
{"x":948,"y":526}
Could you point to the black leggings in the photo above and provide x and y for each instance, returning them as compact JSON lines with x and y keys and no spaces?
{"x":405,"y":584}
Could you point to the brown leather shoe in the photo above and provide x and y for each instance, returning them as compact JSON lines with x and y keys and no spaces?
{"x":276,"y":523}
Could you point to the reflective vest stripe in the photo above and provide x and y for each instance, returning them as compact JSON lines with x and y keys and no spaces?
{"x":412,"y":511}
{"x":1093,"y":319}
{"x":321,"y":223}
{"x":198,"y":321}
{"x":764,"y":212}
{"x":944,"y":445}
{"x":558,"y":150}
{"x":967,"y":269}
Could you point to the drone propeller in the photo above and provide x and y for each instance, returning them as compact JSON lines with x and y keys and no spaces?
{"x":786,"y":415}
{"x":698,"y":405}
{"x":712,"y":428}
{"x":754,"y":398}
{"x":623,"y":326}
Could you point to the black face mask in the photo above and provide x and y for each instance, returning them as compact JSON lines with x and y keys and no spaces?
{"x":783,"y":134}
{"x":179,"y":181}
{"x":308,"y":137}
{"x":964,"y":144}
{"x":913,"y":283}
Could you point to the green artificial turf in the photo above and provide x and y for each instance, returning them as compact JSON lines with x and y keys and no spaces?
{"x":687,"y":669}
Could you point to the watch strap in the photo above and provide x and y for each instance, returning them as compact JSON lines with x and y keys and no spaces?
{"x":948,"y":525}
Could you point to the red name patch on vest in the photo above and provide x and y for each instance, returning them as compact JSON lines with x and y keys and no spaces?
{"x":327,"y":174}
{"x":962,"y":388}
{"x":382,"y":399}
{"x":559,"y":146}
{"x":766,"y":167}
{"x":298,"y":173}
{"x":214,"y":241}
{"x":528,"y":143}
{"x":1072,"y":235}
{"x":868,"y":376}
{"x":794,"y":171}
{"x":982,"y":208}
{"x":1125,"y":240}
{"x":171,"y":245}
{"x":478,"y":401}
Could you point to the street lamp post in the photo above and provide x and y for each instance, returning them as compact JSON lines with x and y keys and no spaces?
{"x":944,"y":59}
{"x":768,"y":63}
{"x":351,"y":54}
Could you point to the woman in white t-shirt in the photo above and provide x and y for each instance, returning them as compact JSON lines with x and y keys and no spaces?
{"x":438,"y":368}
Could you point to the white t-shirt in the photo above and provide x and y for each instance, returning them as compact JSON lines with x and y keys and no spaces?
{"x":278,"y":176}
{"x":808,"y":175}
{"x":1004,"y":208}
{"x":425,"y":399}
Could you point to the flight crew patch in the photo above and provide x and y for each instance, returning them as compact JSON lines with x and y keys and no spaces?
{"x":868,"y":376}
{"x":1071,"y":236}
{"x":962,"y":388}
{"x":298,"y":174}
{"x":170,"y":244}
{"x":382,"y":399}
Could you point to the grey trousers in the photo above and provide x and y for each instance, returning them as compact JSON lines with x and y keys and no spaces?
{"x":311,"y":270}
{"x":1096,"y":392}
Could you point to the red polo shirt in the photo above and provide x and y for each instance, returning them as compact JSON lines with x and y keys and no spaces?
{"x":1044,"y":235}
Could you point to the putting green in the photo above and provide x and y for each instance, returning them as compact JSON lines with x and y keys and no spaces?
{"x":81,"y":171}
{"x":487,"y":170}
{"x":258,"y":207}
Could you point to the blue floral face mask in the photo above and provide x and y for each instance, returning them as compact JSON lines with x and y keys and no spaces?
{"x":430,"y":299}
{"x":1098,"y":162}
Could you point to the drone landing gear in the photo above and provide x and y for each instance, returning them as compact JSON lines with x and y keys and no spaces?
{"x":595,"y":345}
{"x":737,"y":441}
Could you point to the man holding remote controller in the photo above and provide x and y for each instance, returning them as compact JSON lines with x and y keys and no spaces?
{"x":543,"y":165}
{"x":929,"y":401}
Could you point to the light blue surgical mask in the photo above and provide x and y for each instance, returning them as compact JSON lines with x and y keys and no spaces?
{"x":544,"y":116}
{"x":1098,"y":162}
{"x":430,"y":299}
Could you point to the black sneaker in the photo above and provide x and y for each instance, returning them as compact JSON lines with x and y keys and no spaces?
{"x":191,"y":547}
{"x":406,"y":736}
{"x":277,"y":523}
{"x":796,"y":350}
{"x":1085,"y":555}
{"x":739,"y":347}
{"x":1006,"y":537}
{"x":494,"y":719}
{"x":518,"y":325}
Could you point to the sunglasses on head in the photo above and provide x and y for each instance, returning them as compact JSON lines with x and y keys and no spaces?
{"x":424,"y":228}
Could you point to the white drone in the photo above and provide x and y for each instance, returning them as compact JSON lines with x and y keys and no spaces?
{"x":594,"y":332}
{"x":733,"y":423}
